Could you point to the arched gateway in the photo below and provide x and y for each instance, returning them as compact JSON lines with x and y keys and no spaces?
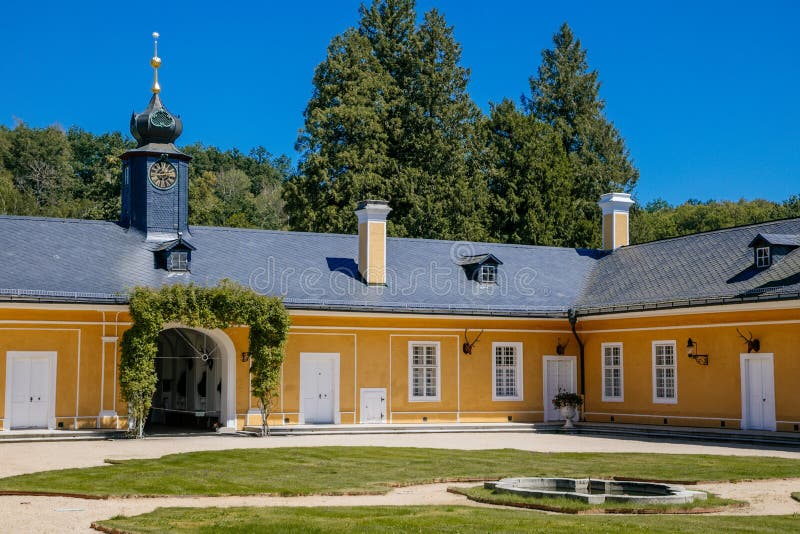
{"x":196,"y":370}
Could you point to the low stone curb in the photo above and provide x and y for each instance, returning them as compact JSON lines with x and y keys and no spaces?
{"x":594,"y":511}
{"x":54,"y":494}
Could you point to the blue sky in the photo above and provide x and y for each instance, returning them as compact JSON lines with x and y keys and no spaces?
{"x":705,"y":93}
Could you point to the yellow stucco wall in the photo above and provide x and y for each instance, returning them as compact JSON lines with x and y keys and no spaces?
{"x":362,"y":248}
{"x":377,"y":252}
{"x":608,"y":231}
{"x":615,"y":230}
{"x":620,"y":230}
{"x":76,"y":336}
{"x":373,"y":353}
{"x":706,"y":395}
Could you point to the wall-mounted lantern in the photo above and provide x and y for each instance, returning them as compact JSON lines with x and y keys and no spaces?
{"x":561,"y":349}
{"x":245,"y":356}
{"x":693,"y":351}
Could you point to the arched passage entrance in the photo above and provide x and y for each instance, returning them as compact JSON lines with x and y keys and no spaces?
{"x":196,"y":370}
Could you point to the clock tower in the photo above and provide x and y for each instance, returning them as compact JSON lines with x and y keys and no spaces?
{"x":155,"y":174}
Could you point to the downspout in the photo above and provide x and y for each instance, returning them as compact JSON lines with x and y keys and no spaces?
{"x":573,"y":321}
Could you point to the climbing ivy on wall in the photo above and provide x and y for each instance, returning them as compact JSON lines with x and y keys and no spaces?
{"x":225,"y":305}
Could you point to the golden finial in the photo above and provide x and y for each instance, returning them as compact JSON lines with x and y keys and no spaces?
{"x":155,"y":62}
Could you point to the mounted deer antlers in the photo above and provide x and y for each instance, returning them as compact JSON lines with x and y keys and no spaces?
{"x":560,"y":349}
{"x":753,"y":345}
{"x":467,"y":346}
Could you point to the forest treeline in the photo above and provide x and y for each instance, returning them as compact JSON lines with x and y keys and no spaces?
{"x":390,"y":117}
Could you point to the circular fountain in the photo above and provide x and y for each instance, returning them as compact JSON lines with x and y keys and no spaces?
{"x":595,"y":491}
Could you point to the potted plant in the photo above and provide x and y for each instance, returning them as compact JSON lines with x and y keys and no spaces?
{"x":568,"y":403}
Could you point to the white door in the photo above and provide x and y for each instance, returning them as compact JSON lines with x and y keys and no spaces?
{"x":318,"y":377}
{"x":29,"y":382}
{"x":373,"y":405}
{"x":559,"y":374}
{"x":758,"y":392}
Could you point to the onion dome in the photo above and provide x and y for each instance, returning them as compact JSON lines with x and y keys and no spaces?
{"x":155,"y":124}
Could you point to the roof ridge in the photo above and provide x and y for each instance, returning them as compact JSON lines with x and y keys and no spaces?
{"x":393,"y":238}
{"x":71,"y":220}
{"x":491,"y":244}
{"x":267,"y":230}
{"x":717,"y":231}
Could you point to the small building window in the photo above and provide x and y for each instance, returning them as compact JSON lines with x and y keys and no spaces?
{"x":762,"y":257}
{"x":507,"y":371}
{"x":481,"y":268}
{"x":612,"y":372}
{"x":178,"y":261}
{"x":175,"y":255}
{"x":488,"y":274}
{"x":665,"y":373}
{"x":423,"y":371}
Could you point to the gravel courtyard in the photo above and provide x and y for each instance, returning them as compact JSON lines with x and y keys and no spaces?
{"x":58,"y":514}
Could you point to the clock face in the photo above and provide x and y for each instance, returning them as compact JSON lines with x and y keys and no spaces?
{"x":163,"y":174}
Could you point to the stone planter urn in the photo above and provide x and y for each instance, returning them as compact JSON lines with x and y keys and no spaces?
{"x":568,"y":412}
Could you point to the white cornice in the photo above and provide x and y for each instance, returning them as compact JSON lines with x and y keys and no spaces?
{"x":615,"y":203}
{"x":697,"y":310}
{"x":66,"y":306}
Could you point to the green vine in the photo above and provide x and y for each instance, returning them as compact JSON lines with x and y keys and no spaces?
{"x":225,"y":305}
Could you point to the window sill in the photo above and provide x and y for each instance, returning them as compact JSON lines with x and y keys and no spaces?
{"x":665,"y":401}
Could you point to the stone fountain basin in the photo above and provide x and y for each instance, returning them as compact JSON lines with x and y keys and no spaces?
{"x":596,"y":491}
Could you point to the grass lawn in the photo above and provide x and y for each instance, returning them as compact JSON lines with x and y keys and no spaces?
{"x":430,"y":519}
{"x":573,"y":506}
{"x":342,"y":470}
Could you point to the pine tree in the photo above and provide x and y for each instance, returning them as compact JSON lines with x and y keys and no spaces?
{"x":446,"y":195}
{"x":529,"y":179}
{"x":565,"y":95}
{"x":390,"y":118}
{"x":344,"y":142}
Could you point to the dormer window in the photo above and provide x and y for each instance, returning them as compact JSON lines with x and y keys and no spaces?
{"x":762,"y":257}
{"x":174,"y":256}
{"x":768,"y":249}
{"x":488,"y":274}
{"x":482,"y":268}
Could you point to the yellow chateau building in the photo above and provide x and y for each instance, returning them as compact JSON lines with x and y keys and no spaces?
{"x":702,"y":330}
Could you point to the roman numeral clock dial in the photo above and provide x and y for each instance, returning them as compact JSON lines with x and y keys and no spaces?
{"x":163,"y":174}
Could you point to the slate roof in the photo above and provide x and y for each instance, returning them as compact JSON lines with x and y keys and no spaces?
{"x":711,"y":267}
{"x":92,"y":261}
{"x":77,"y":260}
{"x":788,"y":240}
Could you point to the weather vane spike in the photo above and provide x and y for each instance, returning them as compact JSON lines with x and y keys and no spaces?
{"x":155,"y":62}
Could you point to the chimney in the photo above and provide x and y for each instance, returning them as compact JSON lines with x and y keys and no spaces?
{"x":372,"y":240}
{"x":615,"y":208}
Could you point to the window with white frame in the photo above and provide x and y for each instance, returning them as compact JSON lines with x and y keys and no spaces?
{"x":665,"y":379}
{"x":423,"y":371}
{"x":178,"y":261}
{"x":762,"y":257}
{"x":612,"y":372}
{"x":488,"y":274}
{"x":507,"y":371}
